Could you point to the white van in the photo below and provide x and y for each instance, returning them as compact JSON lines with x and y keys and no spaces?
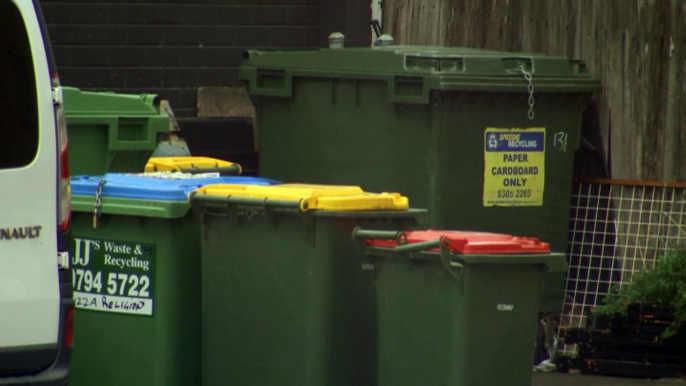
{"x":36,"y":304}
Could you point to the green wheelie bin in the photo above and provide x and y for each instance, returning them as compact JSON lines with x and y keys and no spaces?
{"x":137,"y":279}
{"x":484,"y":140}
{"x":287,"y":299}
{"x":111,"y":132}
{"x":456,"y":308}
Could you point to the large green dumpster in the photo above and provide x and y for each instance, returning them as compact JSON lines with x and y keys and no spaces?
{"x":137,"y":280}
{"x":462,"y":132}
{"x":456,"y":308}
{"x":287,"y":299}
{"x":111,"y":132}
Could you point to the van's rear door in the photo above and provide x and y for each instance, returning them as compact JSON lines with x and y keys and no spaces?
{"x":29,"y":289}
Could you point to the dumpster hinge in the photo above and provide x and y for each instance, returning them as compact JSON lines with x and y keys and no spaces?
{"x":272,"y":217}
{"x":309,"y":222}
{"x":455,"y":269}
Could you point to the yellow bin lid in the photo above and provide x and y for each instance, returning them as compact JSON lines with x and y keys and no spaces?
{"x":314,"y":197}
{"x":182,"y":164}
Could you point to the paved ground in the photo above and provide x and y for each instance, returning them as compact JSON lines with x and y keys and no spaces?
{"x":574,"y":379}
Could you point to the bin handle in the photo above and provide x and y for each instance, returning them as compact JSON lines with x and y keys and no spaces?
{"x":269,"y":82}
{"x":454,"y":268}
{"x":153,"y":126}
{"x":228,"y":201}
{"x":407,"y":89}
{"x":360,"y":233}
{"x":399,"y":236}
{"x":418,"y":247}
{"x":578,"y":66}
{"x":233,"y":170}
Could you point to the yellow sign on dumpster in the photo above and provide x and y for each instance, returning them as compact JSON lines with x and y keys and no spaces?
{"x":514,"y":173}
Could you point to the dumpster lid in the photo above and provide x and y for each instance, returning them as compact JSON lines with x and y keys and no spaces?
{"x":473,"y":243}
{"x":107,"y":103}
{"x":313,"y":197}
{"x":411,"y":73}
{"x":415,"y":61}
{"x":181,"y":164}
{"x":155,"y":186}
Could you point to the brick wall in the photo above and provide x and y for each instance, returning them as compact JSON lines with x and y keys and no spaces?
{"x":170,"y":47}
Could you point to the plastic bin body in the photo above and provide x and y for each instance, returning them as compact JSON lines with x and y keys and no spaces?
{"x":124,"y":349}
{"x":111,"y":132}
{"x":148,"y":332}
{"x":473,"y":326}
{"x":286,"y":300}
{"x":421,"y":116}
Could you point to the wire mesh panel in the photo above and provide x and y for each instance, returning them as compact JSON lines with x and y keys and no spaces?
{"x":616,"y":228}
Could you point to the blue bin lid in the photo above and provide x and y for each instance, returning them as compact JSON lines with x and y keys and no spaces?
{"x":155,"y":186}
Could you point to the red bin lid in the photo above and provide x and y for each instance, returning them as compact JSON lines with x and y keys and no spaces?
{"x":471,"y":243}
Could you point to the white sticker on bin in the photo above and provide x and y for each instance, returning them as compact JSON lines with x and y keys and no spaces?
{"x":175,"y":175}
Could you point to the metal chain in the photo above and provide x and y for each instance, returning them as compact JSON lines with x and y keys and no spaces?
{"x":98,"y":202}
{"x":528,"y":78}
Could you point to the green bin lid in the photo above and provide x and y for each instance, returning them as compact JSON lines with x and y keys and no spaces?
{"x":86,"y":103}
{"x":412,"y":71}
